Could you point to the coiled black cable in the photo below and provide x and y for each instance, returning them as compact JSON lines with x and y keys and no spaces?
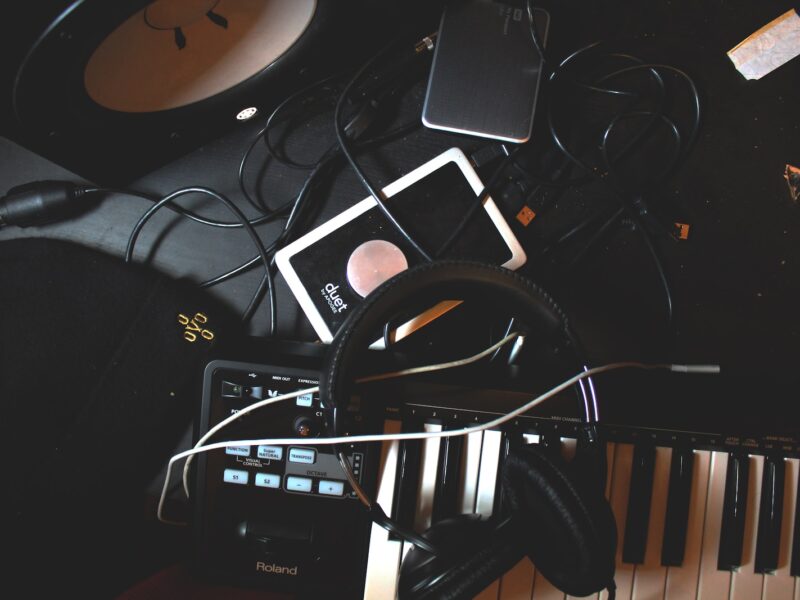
{"x":344,"y":144}
{"x":630,"y":196}
{"x":166,"y":200}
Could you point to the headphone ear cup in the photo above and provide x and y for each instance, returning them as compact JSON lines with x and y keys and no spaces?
{"x":473,"y":554}
{"x":570,"y":529}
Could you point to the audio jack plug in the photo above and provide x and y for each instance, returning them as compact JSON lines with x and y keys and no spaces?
{"x":40,"y":203}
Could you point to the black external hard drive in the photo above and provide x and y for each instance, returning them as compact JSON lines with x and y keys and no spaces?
{"x":486,"y":70}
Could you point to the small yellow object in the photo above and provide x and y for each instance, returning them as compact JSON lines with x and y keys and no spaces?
{"x":683,"y":231}
{"x":526,"y":215}
{"x":193,"y":327}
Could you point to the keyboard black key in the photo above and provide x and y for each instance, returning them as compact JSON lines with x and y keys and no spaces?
{"x":795,"y":566}
{"x":676,"y":521}
{"x":641,"y":492}
{"x":446,"y":500}
{"x":770,"y":515}
{"x":404,"y":504}
{"x":551,"y":442}
{"x":734,"y":509}
{"x":505,"y":446}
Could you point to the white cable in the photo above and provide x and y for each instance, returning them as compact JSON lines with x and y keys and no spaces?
{"x":707,"y":369}
{"x":701,"y":369}
{"x":405,"y":372}
{"x":227,"y":421}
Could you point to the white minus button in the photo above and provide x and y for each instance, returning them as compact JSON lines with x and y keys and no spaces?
{"x":298,"y":484}
{"x":302,"y":455}
{"x":331,"y":488}
{"x":236,"y":476}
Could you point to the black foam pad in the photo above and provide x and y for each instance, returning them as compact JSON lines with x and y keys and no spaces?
{"x":474,"y":553}
{"x":96,"y":382}
{"x":571,"y":532}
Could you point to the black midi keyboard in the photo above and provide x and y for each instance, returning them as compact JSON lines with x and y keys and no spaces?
{"x":702,"y":479}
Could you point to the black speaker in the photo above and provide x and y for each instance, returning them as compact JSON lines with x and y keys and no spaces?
{"x":112,"y":90}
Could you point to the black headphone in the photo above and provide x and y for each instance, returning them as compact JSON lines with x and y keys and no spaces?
{"x":558,"y":513}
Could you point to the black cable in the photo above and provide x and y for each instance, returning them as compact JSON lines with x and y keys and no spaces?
{"x":596,"y":236}
{"x":478,"y":203}
{"x":263,"y":133}
{"x":236,"y":271}
{"x":328,"y":159}
{"x":273,"y":152}
{"x":632,"y":200}
{"x":297,"y":206}
{"x":230,"y":206}
{"x":609,"y":162}
{"x":692,"y":86}
{"x":189,"y":214}
{"x":653,"y":69}
{"x":537,"y":43}
{"x":258,"y":204}
{"x":658,"y":264}
{"x":263,"y":286}
{"x":581,"y":226}
{"x":552,"y":184}
{"x":308,"y":186}
{"x":344,"y":145}
{"x":376,"y":513}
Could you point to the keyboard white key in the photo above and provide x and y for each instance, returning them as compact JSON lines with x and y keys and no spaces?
{"x":517,"y":584}
{"x":610,"y":446}
{"x":383,"y":561}
{"x":620,"y":487}
{"x":487,"y":477}
{"x":544,"y":590}
{"x":472,"y":464}
{"x":746,"y":584}
{"x":682,"y":581}
{"x":713,"y":583}
{"x":487,"y":482}
{"x":531,"y":438}
{"x":568,"y":448}
{"x":781,"y":585}
{"x":649,"y":577}
{"x":429,"y":462}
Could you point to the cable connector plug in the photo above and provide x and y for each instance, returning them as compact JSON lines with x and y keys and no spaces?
{"x":40,"y":202}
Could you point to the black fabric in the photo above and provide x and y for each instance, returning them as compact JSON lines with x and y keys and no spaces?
{"x":571,"y":532}
{"x":96,"y":389}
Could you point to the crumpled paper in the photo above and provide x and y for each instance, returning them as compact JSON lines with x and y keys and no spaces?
{"x":792,"y":176}
{"x":768,"y":48}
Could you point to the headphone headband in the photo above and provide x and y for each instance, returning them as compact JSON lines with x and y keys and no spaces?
{"x":435,"y":282}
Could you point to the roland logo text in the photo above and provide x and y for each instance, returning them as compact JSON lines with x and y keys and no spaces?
{"x":273,"y":568}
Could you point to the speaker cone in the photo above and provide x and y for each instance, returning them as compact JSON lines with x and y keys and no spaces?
{"x":111,"y":89}
{"x":173,"y":53}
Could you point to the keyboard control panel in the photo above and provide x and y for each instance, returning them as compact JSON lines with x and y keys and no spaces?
{"x":281,"y":517}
